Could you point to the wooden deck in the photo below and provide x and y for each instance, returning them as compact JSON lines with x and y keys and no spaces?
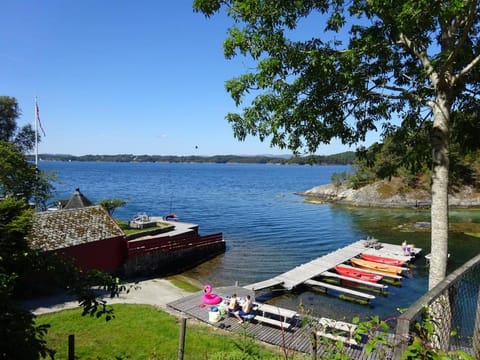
{"x":296,"y":337}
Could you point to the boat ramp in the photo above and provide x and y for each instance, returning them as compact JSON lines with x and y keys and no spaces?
{"x":322,"y":266}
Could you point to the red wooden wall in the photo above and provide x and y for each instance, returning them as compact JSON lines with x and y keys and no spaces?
{"x":107,"y":255}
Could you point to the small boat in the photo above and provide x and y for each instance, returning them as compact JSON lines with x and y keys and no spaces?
{"x":381,"y":268}
{"x":382,"y":259}
{"x":142,"y":221}
{"x":172,"y":217}
{"x":358,"y":274}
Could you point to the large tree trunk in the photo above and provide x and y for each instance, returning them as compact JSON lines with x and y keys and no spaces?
{"x":439,"y":211}
{"x":440,"y":309}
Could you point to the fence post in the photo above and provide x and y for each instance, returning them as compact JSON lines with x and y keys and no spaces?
{"x":476,"y":330}
{"x":71,"y":347}
{"x":401,"y":338}
{"x":181,"y":342}
{"x":313,"y":344}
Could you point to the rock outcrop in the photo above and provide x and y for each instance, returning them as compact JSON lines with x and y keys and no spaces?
{"x":387,"y":194}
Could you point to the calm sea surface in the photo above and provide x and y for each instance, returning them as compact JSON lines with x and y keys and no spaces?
{"x":268,"y":229}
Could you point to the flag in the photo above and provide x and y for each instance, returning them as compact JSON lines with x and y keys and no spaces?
{"x":37,"y":117}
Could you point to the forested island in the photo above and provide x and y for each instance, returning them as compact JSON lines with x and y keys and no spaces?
{"x":344,"y":158}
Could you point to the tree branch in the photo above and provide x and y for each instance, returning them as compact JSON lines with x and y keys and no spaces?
{"x":401,"y":93}
{"x":421,"y":55}
{"x":467,"y":68}
{"x":467,"y":25}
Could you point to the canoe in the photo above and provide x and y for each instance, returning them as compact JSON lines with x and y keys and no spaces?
{"x":358,"y":274}
{"x":382,"y":268}
{"x":382,"y":259}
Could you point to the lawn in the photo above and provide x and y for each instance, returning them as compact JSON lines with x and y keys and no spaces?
{"x":130,"y":231}
{"x":144,"y":332}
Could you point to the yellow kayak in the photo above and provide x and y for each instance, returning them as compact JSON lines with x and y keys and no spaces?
{"x":382,"y":268}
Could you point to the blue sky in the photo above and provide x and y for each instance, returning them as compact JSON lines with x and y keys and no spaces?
{"x":130,"y":77}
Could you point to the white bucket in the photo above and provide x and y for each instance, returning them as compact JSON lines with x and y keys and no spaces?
{"x":214,"y":316}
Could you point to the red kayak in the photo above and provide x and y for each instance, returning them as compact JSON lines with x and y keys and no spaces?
{"x":382,"y":260}
{"x":358,"y":274}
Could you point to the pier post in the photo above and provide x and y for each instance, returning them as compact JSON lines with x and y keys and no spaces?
{"x":71,"y":347}
{"x":313,"y":344}
{"x":181,"y":342}
{"x":476,"y":332}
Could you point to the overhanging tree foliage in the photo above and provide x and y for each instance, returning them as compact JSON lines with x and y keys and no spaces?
{"x":23,"y":137}
{"x":25,"y":271}
{"x":19,"y":178}
{"x":371,"y":65}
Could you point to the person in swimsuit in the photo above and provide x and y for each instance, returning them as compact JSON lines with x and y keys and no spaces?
{"x":246,"y":307}
{"x":233,"y":308}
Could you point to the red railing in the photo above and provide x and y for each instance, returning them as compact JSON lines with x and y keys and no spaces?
{"x":173,"y":243}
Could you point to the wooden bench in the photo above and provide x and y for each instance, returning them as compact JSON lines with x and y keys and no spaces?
{"x":280,"y":324}
{"x":337,"y":330}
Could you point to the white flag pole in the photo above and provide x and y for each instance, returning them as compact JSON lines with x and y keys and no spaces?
{"x":36,"y":133}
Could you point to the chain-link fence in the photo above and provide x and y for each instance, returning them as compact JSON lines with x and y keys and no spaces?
{"x":451,"y":309}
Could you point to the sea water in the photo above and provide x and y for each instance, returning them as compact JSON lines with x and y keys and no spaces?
{"x":268,"y":229}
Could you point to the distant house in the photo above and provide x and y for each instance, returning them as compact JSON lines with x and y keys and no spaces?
{"x":88,"y":235}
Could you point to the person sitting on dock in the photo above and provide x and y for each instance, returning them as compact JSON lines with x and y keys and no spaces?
{"x":246,"y":309}
{"x":233,"y":308}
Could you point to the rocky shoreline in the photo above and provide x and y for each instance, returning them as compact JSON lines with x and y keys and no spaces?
{"x":387,"y":194}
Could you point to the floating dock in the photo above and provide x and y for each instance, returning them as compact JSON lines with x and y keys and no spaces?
{"x":329,"y":274}
{"x":340,"y":289}
{"x":322,"y":266}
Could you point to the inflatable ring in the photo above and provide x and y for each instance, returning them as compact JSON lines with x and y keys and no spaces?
{"x":209,"y":298}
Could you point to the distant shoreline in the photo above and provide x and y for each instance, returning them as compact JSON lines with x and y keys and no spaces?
{"x":336,"y":159}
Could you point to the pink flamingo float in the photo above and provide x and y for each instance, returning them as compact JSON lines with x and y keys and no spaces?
{"x":209,"y":298}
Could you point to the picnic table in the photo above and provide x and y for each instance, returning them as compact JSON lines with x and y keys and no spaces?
{"x":274,"y":315}
{"x":337,"y":330}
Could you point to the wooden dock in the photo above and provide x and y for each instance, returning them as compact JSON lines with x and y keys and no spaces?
{"x":296,"y":337}
{"x":321,"y":266}
{"x":314,"y":268}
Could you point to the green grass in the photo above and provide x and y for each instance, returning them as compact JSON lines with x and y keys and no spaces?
{"x":185,"y":283}
{"x":129,"y":231}
{"x":144,"y":332}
